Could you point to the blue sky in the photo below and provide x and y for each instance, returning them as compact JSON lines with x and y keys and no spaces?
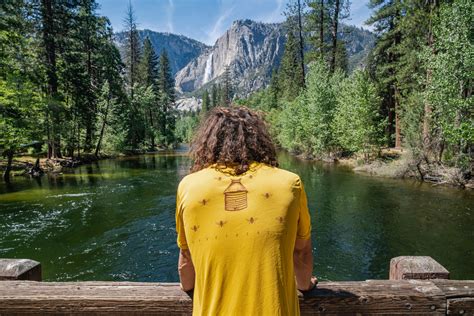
{"x":206,"y":20}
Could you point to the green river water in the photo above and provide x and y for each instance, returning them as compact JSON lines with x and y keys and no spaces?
{"x":114,"y":220}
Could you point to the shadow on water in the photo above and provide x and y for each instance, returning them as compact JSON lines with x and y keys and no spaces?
{"x":114,"y":220}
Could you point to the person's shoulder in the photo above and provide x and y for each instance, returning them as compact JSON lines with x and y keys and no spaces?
{"x":196,"y":177}
{"x":284,"y":175}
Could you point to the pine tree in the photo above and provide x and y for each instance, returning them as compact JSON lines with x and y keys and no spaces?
{"x":214,"y":96}
{"x":132,"y":49}
{"x":385,"y":58}
{"x":206,"y":106}
{"x":317,"y":28}
{"x":294,"y":24}
{"x":148,"y":69}
{"x":291,"y":81}
{"x":167,"y":117}
{"x":339,"y":10}
{"x":227,"y":92}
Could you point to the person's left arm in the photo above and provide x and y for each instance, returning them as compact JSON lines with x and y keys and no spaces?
{"x":185,"y":264}
{"x":186,"y":270}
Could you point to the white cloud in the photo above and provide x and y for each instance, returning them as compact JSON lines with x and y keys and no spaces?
{"x":169,"y":16}
{"x":219,"y":26}
{"x":276,"y":15}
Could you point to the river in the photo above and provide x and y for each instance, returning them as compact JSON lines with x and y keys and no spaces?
{"x":114,"y":220}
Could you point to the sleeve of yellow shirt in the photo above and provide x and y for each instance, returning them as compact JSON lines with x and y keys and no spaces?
{"x":304,"y":220}
{"x":181,"y":239}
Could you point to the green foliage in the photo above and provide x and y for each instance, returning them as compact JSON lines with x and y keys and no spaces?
{"x":206,"y":106}
{"x":449,"y":89}
{"x":306,"y":122}
{"x":186,"y":126}
{"x":357,"y":124}
{"x":289,"y":75}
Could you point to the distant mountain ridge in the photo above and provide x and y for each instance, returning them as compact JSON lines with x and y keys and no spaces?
{"x":251,"y":50}
{"x":181,"y":49}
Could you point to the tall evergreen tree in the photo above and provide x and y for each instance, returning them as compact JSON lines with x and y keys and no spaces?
{"x":214,"y":96}
{"x":317,"y":28}
{"x":290,"y":75}
{"x":339,"y":10}
{"x":132,"y":48}
{"x":206,"y":106}
{"x":385,"y":58}
{"x":227,"y":89}
{"x":167,"y":98}
{"x":148,"y":69}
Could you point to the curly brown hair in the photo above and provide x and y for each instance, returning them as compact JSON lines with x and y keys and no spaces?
{"x":232,"y":137}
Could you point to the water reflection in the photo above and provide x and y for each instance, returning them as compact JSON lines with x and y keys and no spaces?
{"x":114,"y":220}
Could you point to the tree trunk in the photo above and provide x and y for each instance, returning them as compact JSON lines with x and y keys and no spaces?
{"x":9,"y":155}
{"x":54,"y":150}
{"x":300,"y":34}
{"x":334,"y":34}
{"x":398,"y":138}
{"x":102,"y":129}
{"x":150,"y":113}
{"x":321,"y":29}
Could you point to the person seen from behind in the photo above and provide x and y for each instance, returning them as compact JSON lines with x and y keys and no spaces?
{"x":243,"y":224}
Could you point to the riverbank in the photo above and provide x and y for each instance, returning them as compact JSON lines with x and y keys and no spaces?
{"x":35,"y":166}
{"x":399,"y":164}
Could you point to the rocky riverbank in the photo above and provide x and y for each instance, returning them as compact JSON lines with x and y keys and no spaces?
{"x":399,"y":164}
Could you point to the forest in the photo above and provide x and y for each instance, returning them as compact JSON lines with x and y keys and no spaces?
{"x":67,"y":91}
{"x":414,"y":93}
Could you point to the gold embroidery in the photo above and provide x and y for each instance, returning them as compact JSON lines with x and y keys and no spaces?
{"x":251,"y":220}
{"x":204,"y":201}
{"x":280,"y":219}
{"x":195,"y":228}
{"x":235,"y":196}
{"x":221,"y":223}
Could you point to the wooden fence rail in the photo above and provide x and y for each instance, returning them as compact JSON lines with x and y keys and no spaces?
{"x":417,"y":285}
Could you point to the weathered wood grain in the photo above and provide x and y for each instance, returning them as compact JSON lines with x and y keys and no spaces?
{"x":459,"y":294}
{"x":416,"y":268}
{"x":20,"y":269}
{"x":111,"y":298}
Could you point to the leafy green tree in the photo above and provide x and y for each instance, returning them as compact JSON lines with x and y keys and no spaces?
{"x":186,"y":126}
{"x":357,"y":124}
{"x":449,"y":89}
{"x":306,"y":122}
{"x":21,"y":103}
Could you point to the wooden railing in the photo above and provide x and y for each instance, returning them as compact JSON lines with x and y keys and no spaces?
{"x":417,"y":285}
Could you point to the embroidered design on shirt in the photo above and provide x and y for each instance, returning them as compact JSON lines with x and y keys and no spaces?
{"x":267,"y":195}
{"x":195,"y":228}
{"x":280,"y":219}
{"x":235,"y":196}
{"x":203,"y":201}
{"x":251,"y":220}
{"x":221,"y":223}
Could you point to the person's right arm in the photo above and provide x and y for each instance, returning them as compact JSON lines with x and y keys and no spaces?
{"x":303,"y":264}
{"x":303,"y":252}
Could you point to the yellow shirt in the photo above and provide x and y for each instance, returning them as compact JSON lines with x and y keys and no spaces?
{"x":241,"y":232}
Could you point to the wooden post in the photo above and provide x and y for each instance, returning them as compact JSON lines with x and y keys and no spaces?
{"x":20,"y":269}
{"x":416,"y":268}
